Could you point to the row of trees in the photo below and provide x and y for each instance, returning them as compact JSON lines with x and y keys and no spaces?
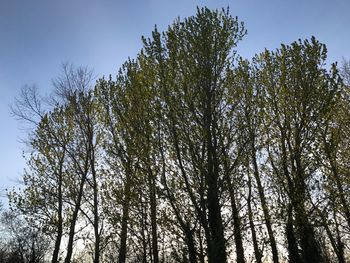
{"x":193,"y":154}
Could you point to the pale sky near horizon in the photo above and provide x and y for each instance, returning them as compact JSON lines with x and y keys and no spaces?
{"x":37,"y":36}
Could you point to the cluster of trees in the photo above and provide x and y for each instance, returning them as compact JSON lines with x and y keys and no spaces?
{"x":20,"y":242}
{"x":193,"y":154}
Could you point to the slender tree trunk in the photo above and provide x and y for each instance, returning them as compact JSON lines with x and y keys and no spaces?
{"x":340,"y":189}
{"x":237,"y":228}
{"x":345,"y":205}
{"x":201,"y":249}
{"x":264,"y":206}
{"x":125,"y":218}
{"x":57,"y":241}
{"x":201,"y":207}
{"x":153,"y":206}
{"x":33,"y":254}
{"x":311,"y":251}
{"x":340,"y":244}
{"x":218,"y":249}
{"x":60,"y":217}
{"x":74,"y":220}
{"x":185,"y":226}
{"x":143,"y":229}
{"x":257,"y":252}
{"x":123,"y":236}
{"x":336,"y":245}
{"x":218,"y":246}
{"x":293,"y":251}
{"x":96,"y":215}
{"x":310,"y":248}
{"x":192,"y":252}
{"x":340,"y":250}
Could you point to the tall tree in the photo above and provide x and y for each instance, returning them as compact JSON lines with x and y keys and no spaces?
{"x":43,"y":196}
{"x":299,"y":92}
{"x":193,"y":58}
{"x":252,"y":113}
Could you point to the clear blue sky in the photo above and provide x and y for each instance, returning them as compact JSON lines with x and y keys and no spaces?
{"x":36,"y":36}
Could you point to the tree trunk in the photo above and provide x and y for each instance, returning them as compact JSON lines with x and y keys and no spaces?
{"x":257,"y":252}
{"x":236,"y":224}
{"x":336,"y":245}
{"x":96,"y":215}
{"x":201,"y":249}
{"x":125,"y":218}
{"x":217,"y":252}
{"x":218,"y":249}
{"x":340,"y":244}
{"x":192,"y":252}
{"x":185,"y":226}
{"x":74,"y":220}
{"x":293,"y":252}
{"x":57,"y":241}
{"x":340,"y":189}
{"x":153,"y":205}
{"x":143,"y":229}
{"x":311,"y":251}
{"x":264,"y":206}
{"x":60,"y":219}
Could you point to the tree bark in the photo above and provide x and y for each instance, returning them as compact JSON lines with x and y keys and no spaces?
{"x":257,"y":252}
{"x":264,"y":205}
{"x":293,"y":251}
{"x":96,"y":215}
{"x":125,"y":218}
{"x":74,"y":219}
{"x":237,"y":228}
{"x":153,"y":206}
{"x":60,"y":216}
{"x":217,"y":251}
{"x":311,"y":251}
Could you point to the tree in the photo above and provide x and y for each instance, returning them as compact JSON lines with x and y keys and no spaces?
{"x":24,"y":243}
{"x":193,"y":59}
{"x":58,"y":160}
{"x":251,"y":110}
{"x":299,"y":93}
{"x":43,"y":196}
